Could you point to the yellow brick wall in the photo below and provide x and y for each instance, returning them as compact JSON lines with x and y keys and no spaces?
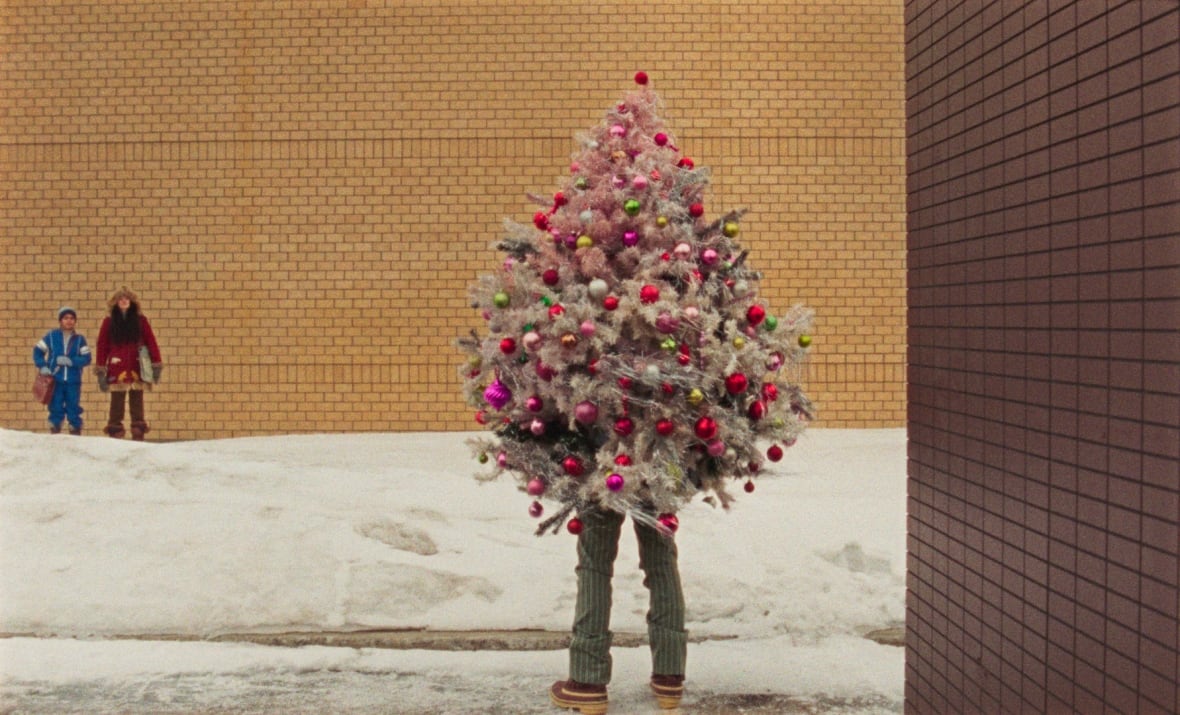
{"x":301,"y":192}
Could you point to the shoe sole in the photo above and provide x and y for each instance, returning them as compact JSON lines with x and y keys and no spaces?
{"x":586,"y":708}
{"x":667,"y":698}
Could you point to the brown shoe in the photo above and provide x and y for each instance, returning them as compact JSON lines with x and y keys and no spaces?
{"x":76,"y":431}
{"x":668,"y":690}
{"x":584,"y":697}
{"x":115,"y":430}
{"x":138,"y":430}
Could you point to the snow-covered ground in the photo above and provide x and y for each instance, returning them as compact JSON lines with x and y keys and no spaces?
{"x":102,"y":539}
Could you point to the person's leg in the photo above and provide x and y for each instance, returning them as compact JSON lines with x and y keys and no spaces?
{"x":139,"y":426}
{"x":658,"y":557}
{"x":115,"y":417}
{"x":598,"y":544}
{"x":57,"y":407}
{"x":73,"y":406}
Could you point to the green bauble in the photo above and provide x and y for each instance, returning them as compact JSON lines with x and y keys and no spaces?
{"x":770,"y":323}
{"x":501,"y":300}
{"x":631,"y":206}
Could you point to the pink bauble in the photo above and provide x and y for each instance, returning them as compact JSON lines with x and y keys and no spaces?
{"x":716,"y":448}
{"x":669,"y":522}
{"x":617,"y":181}
{"x":586,"y":412}
{"x":691,"y":312}
{"x":501,"y":460}
{"x":618,"y":130}
{"x":683,"y":251}
{"x":708,"y":256}
{"x":534,"y":404}
{"x":531,"y":340}
{"x":587,"y":328}
{"x":614,"y":482}
{"x":544,"y":372}
{"x":535,"y":509}
{"x":666,"y":323}
{"x":775,"y":361}
{"x":630,"y":238}
{"x":639,"y":182}
{"x":536,"y":487}
{"x":537,"y":427}
{"x":660,"y":138}
{"x":497,"y":394}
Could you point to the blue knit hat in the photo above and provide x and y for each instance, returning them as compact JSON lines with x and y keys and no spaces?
{"x":64,"y":311}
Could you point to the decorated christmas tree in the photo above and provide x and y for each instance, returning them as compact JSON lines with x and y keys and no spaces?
{"x":627,"y":359}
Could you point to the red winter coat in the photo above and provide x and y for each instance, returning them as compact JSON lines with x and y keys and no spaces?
{"x":121,"y":360}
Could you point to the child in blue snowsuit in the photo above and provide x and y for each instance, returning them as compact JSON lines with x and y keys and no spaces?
{"x":63,"y":353}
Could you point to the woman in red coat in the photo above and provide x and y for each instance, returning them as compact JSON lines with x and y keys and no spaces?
{"x":123,"y":333}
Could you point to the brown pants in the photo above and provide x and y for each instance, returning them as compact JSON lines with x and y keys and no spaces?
{"x":139,"y":426}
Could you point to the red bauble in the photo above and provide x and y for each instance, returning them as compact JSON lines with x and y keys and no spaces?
{"x":574,"y":526}
{"x":640,"y":78}
{"x":774,"y":453}
{"x":625,"y":382}
{"x":706,"y":428}
{"x":592,"y":368}
{"x":749,"y":486}
{"x":769,"y":392}
{"x":669,"y":522}
{"x":665,"y":427}
{"x":550,"y":277}
{"x":668,"y":388}
{"x":757,"y":410}
{"x":685,"y":163}
{"x":573,"y":466}
{"x":684,"y":358}
{"x":559,"y":199}
{"x":696,"y":210}
{"x":756,"y":314}
{"x":556,"y":310}
{"x":736,"y":383}
{"x":649,"y":294}
{"x":623,"y":460}
{"x":610,"y":302}
{"x":540,"y":220}
{"x":624,"y":426}
{"x":481,"y":417}
{"x":507,"y":346}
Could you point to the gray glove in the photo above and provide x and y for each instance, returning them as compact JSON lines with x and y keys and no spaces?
{"x":46,"y":371}
{"x":157,"y":368}
{"x":102,"y":379}
{"x":64,"y":361}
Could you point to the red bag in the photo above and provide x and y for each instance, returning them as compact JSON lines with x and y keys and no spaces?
{"x":43,"y":389}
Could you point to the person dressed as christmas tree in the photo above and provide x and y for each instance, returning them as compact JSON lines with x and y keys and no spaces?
{"x":628,"y":365}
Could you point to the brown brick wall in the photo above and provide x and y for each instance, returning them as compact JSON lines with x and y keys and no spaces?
{"x":301,"y":192}
{"x":1044,"y":334}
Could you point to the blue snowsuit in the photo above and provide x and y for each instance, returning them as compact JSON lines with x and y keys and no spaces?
{"x":67,"y":392}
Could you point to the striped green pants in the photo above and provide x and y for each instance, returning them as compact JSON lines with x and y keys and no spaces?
{"x":598,"y":545}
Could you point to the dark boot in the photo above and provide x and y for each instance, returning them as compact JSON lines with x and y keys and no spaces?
{"x":54,"y":429}
{"x":138,"y":430}
{"x":76,"y":431}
